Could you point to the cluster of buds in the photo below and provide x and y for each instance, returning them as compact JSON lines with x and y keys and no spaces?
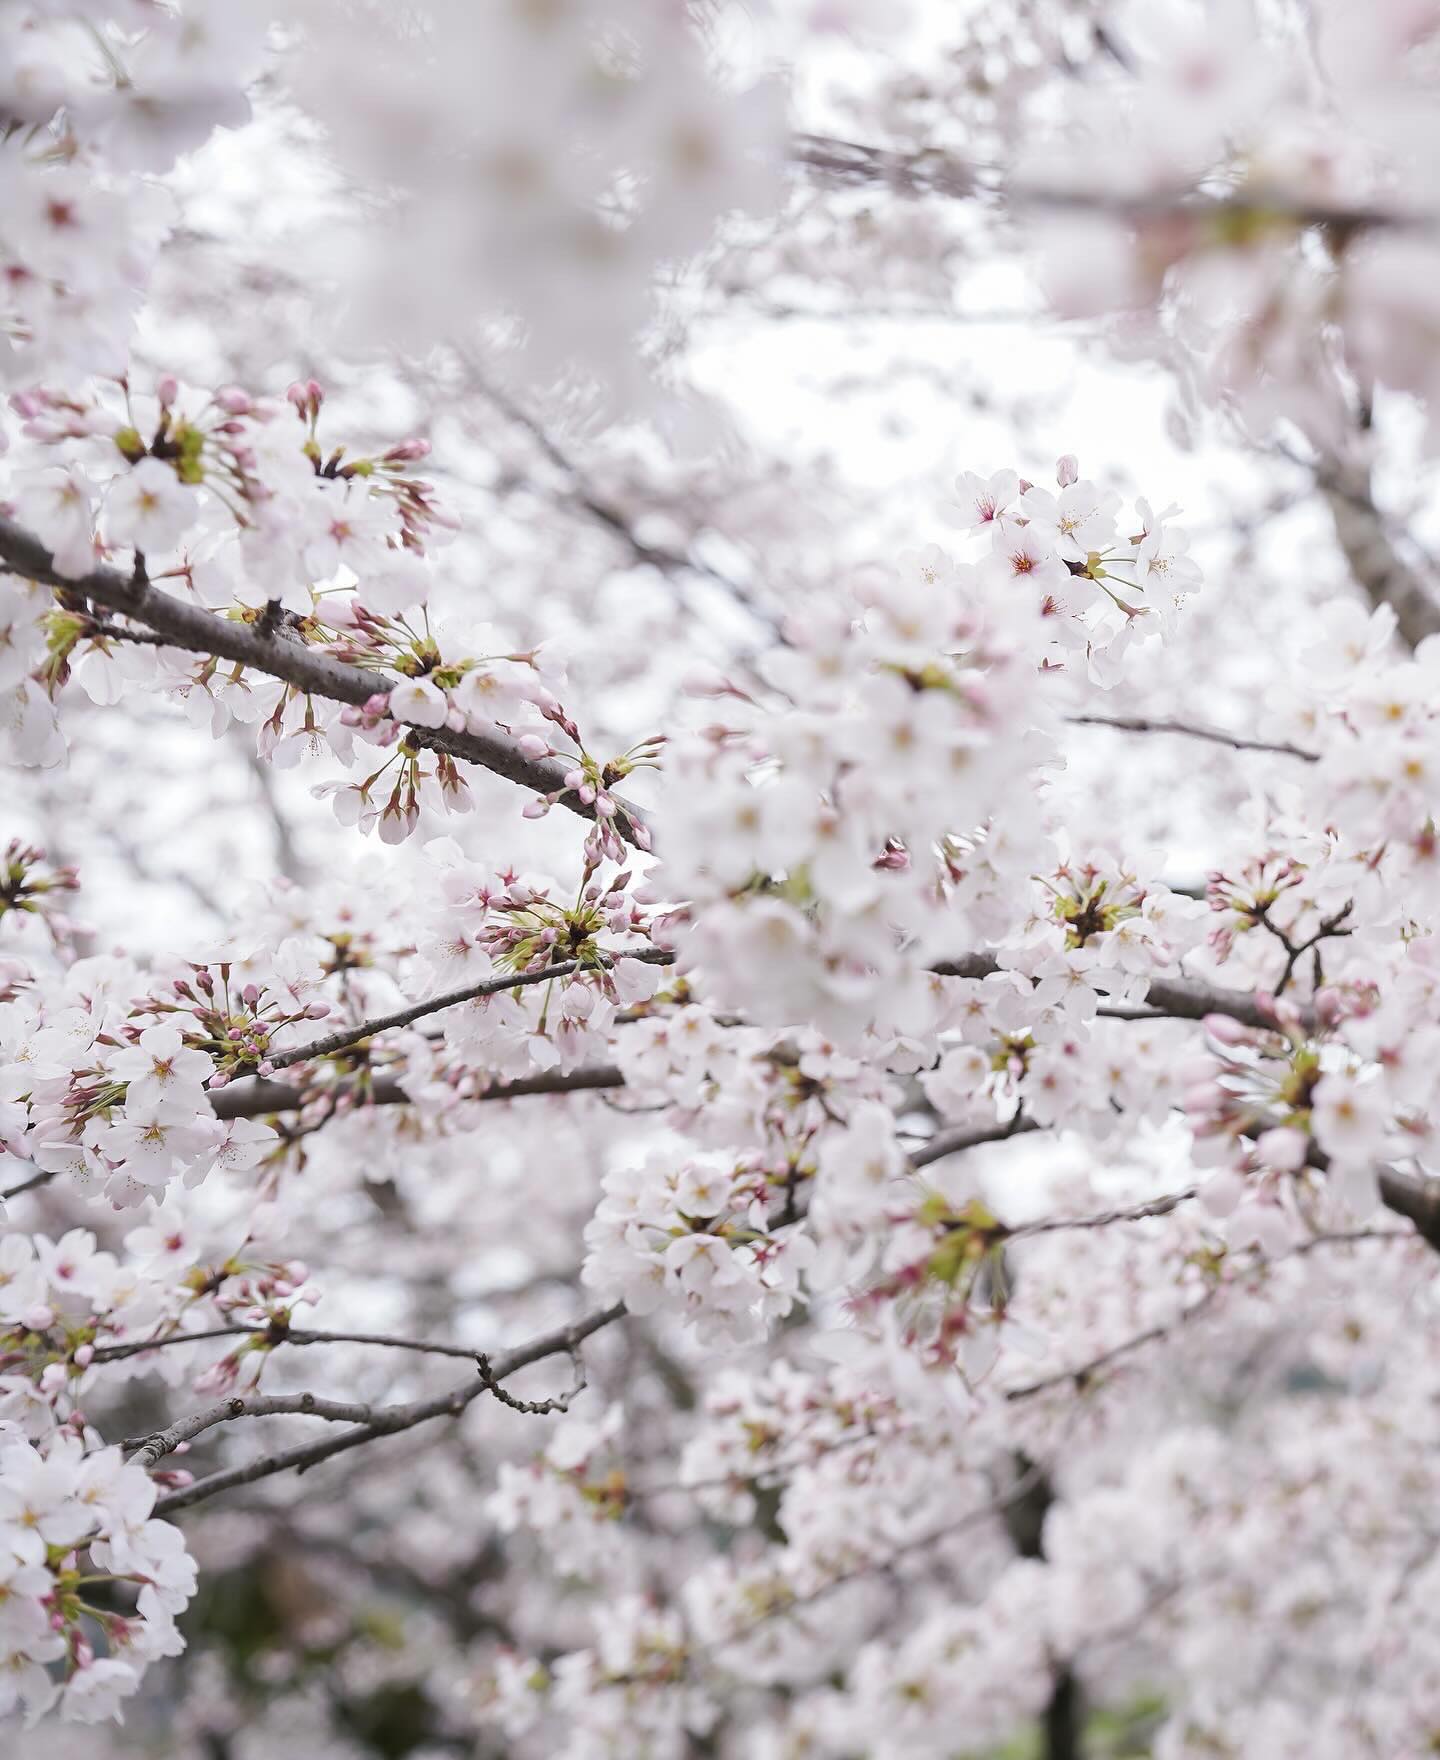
{"x":418,"y":774}
{"x":234,"y":1028}
{"x":263,"y":1297}
{"x":1249,"y":898}
{"x":29,"y":884}
{"x":1254,"y":1093}
{"x":1090,"y":902}
{"x":414,"y":499}
{"x":952,"y":1282}
{"x":592,"y":782}
{"x":530,"y":932}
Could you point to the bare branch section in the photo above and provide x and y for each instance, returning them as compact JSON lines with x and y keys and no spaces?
{"x":369,"y":1423}
{"x":273,"y":1335}
{"x":255,"y":1099}
{"x":1192,"y":730}
{"x":197,"y":631}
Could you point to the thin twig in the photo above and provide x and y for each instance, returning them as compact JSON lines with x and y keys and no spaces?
{"x":1192,"y":730}
{"x":535,"y":1408}
{"x":388,"y":1420}
{"x":404,"y":1017}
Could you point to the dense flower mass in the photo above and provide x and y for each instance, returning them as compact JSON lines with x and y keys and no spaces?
{"x":689,"y":1171}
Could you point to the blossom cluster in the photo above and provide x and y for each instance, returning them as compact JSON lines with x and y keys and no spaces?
{"x":818,"y":859}
{"x":75,"y":1523}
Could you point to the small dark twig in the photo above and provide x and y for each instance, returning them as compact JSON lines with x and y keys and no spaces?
{"x":535,"y":1408}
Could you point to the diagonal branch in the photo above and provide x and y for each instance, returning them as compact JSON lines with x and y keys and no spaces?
{"x":254,"y":1099}
{"x":1373,"y":556}
{"x":417,"y":1011}
{"x":1191,"y":730}
{"x":275,"y":653}
{"x":387,"y":1420}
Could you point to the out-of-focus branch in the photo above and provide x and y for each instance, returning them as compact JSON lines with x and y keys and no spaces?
{"x":1374,"y":558}
{"x":1083,"y":1374}
{"x":933,"y":171}
{"x":605,"y":513}
{"x":287,"y":854}
{"x":198,"y":631}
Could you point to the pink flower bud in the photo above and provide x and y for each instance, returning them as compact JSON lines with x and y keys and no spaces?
{"x":532,"y":746}
{"x":1067,"y":470}
{"x":1283,"y":1148}
{"x":1204,"y":1097}
{"x":316,"y":1011}
{"x":1226,"y":1029}
{"x":296,"y":393}
{"x":167,"y":389}
{"x":38,"y":1318}
{"x":85,"y":1356}
{"x":233,"y":400}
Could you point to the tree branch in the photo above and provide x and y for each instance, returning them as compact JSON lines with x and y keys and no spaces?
{"x":1372,"y":555}
{"x":388,"y":1420}
{"x":198,"y":631}
{"x":405,"y":1017}
{"x":1190,"y":730}
{"x":1185,"y":999}
{"x":931,"y":171}
{"x":254,"y":1099}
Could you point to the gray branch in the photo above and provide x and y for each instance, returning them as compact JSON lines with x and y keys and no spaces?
{"x":198,"y":631}
{"x":370,"y":1423}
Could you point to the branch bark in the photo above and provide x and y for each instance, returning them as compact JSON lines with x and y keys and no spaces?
{"x":417,"y":1011}
{"x":386,"y":1420}
{"x":254,"y":1099}
{"x":198,"y":631}
{"x":1192,"y":730}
